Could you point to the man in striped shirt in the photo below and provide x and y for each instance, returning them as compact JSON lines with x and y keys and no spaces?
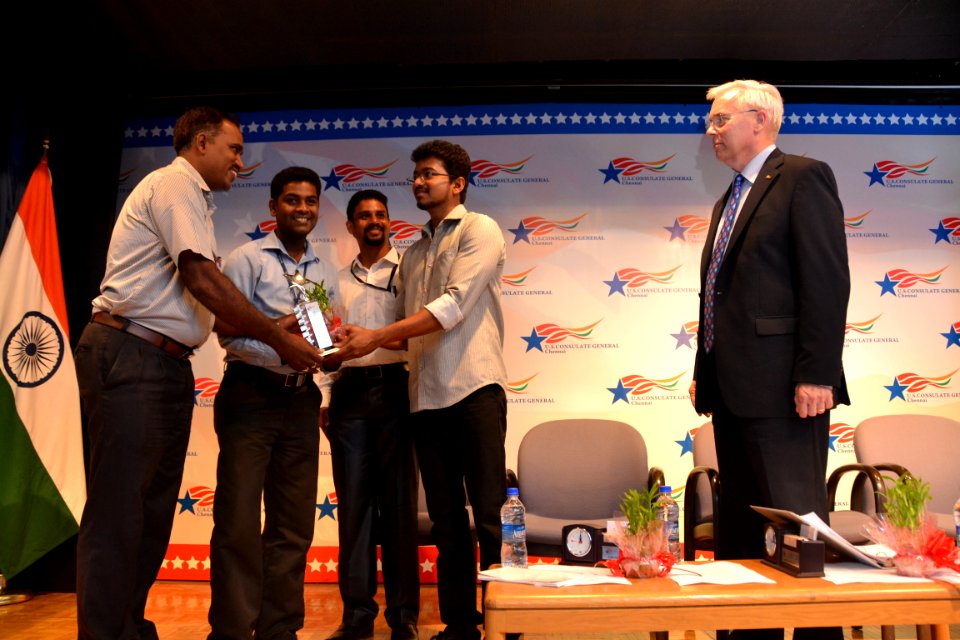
{"x":453,"y":326}
{"x":159,"y":295}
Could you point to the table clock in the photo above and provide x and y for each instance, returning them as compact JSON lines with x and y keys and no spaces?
{"x":581,"y":544}
{"x":792,"y":553}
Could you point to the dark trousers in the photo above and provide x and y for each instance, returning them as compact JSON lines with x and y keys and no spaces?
{"x":769,"y":462}
{"x":138,"y":404}
{"x":375,"y":474}
{"x":463,"y":444}
{"x":269,"y":438}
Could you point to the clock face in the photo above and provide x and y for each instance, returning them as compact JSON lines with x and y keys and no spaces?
{"x":770,"y":541}
{"x":579,"y":542}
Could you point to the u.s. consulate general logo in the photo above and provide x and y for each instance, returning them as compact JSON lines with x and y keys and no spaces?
{"x":893,"y":174}
{"x":552,"y":338}
{"x":639,"y":390}
{"x":350,"y":177}
{"x":403,"y":234}
{"x":628,"y":171}
{"x":540,"y":231}
{"x":865,"y":332}
{"x":634,"y":283}
{"x":521,"y":392}
{"x":519,"y":284}
{"x":487,"y":174}
{"x":914,"y":388}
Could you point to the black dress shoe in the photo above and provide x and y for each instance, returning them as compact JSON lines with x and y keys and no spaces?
{"x":352,"y":632}
{"x":465,"y":633}
{"x":404,"y":631}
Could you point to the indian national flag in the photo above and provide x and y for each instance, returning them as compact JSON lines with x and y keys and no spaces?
{"x":42,"y":485}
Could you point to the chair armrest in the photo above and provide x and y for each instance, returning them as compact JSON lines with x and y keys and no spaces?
{"x":865,"y":473}
{"x":691,"y":504}
{"x":512,"y":480}
{"x":893,"y":468}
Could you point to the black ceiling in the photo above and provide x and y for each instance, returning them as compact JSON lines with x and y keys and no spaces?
{"x":203,"y":35}
{"x":447,"y":50}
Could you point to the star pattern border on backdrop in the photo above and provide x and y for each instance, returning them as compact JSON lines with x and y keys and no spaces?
{"x":338,"y":124}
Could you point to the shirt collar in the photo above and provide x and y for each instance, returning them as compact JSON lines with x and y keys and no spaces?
{"x":752,"y":170}
{"x":182,"y":164}
{"x":455,"y":214}
{"x":272,"y":243}
{"x":392,"y":257}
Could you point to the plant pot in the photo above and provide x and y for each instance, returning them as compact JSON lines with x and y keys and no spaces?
{"x":643,"y":554}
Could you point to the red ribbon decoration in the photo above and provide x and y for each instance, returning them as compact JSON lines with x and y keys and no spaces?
{"x":942,"y":550}
{"x":665,"y":558}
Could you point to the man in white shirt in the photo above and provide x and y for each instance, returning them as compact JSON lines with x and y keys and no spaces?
{"x":374,"y":468}
{"x":453,"y":325}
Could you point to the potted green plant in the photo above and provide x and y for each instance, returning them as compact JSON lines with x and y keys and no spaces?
{"x":640,"y":537}
{"x":920,"y":548}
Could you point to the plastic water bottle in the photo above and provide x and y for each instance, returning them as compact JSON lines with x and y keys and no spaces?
{"x":669,"y":511}
{"x":956,"y":520}
{"x":513,"y":531}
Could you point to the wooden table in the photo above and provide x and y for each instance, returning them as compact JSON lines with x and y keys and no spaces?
{"x":660,"y":604}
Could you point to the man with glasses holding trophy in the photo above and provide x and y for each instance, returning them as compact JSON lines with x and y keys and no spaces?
{"x":453,"y":326}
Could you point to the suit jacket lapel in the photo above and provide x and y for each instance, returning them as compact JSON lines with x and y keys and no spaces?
{"x":767,"y":176}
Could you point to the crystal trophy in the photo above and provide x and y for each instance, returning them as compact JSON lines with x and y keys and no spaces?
{"x":313,"y":324}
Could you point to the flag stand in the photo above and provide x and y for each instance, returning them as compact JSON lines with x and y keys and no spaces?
{"x":12,"y":597}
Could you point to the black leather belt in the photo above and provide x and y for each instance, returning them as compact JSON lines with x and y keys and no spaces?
{"x":288,"y":380}
{"x":160,"y":341}
{"x":373,"y":373}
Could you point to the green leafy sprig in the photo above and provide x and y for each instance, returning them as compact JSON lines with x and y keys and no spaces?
{"x":640,"y":508}
{"x":906,"y":501}
{"x":319,"y":294}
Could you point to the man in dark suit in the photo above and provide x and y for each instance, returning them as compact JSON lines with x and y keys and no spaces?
{"x":774,"y":289}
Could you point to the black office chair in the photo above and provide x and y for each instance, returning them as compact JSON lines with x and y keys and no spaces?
{"x":701,"y":502}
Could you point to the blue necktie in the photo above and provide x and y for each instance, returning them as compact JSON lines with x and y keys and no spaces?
{"x":723,"y":237}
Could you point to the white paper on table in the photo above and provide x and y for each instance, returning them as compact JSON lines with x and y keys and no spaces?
{"x":851,"y":572}
{"x":947,"y":575}
{"x":717,"y":572}
{"x":846,"y":573}
{"x":552,"y":575}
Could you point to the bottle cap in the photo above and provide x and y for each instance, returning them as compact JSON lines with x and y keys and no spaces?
{"x":513,"y":492}
{"x":666,"y":489}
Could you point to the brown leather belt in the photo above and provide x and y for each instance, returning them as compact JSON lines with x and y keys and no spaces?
{"x":160,"y":341}
{"x":288,"y":380}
